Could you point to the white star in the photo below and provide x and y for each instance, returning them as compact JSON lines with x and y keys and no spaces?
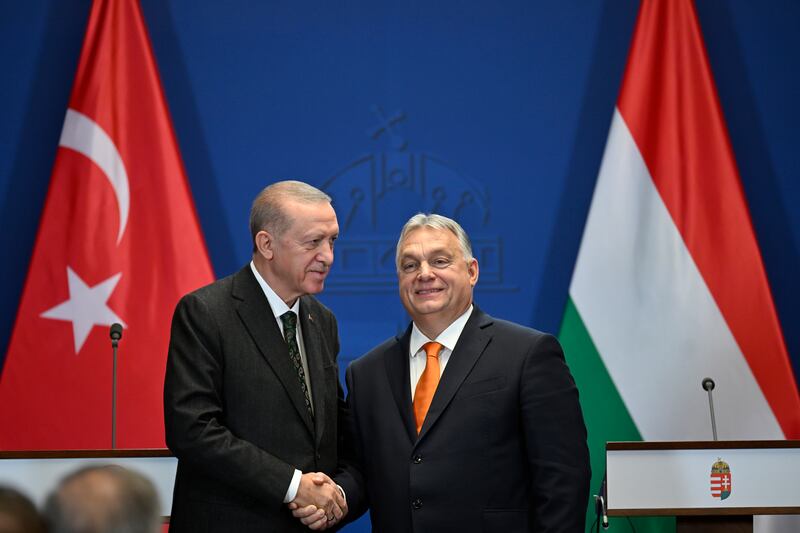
{"x":86,"y":306}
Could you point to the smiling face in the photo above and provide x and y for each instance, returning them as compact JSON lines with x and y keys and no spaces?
{"x":435,"y":279}
{"x":297,"y":261}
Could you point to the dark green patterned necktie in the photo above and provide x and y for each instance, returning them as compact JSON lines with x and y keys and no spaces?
{"x":289,"y":320}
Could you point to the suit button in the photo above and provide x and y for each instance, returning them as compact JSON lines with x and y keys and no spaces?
{"x":416,"y":504}
{"x":417,"y":459}
{"x":319,"y":457}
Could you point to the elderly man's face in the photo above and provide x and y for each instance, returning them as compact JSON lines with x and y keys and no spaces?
{"x":435,"y":279}
{"x":303,"y":254}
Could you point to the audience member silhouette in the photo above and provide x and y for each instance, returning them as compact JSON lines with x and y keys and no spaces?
{"x":103,"y":499}
{"x":17,"y":513}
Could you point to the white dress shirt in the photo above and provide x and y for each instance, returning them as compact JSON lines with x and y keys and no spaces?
{"x":448,"y":339}
{"x":279,"y":307}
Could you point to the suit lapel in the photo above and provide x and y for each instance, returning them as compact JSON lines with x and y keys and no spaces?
{"x":396,"y":361}
{"x":312,"y":341}
{"x":258,"y":318}
{"x":471,"y":344}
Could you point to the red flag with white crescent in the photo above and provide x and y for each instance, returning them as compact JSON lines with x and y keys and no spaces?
{"x":119,"y":241}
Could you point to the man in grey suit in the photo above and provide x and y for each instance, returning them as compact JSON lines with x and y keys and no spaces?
{"x":252,"y":393}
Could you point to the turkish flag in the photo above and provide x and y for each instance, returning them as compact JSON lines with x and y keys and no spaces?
{"x":119,"y":241}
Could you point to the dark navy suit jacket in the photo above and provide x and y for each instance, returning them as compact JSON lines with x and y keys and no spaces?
{"x":503,"y":447}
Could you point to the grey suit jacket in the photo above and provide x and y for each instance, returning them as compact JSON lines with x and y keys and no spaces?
{"x":234,"y":411}
{"x":503,"y":447}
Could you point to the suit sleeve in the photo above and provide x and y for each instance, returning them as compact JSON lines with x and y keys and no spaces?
{"x":555,"y":436}
{"x":194,"y":412}
{"x":349,"y":473}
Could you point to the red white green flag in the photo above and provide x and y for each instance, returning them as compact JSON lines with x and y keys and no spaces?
{"x":669,"y":286}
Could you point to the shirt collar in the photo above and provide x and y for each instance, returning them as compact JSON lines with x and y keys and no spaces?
{"x":277,"y":305}
{"x":448,"y":338}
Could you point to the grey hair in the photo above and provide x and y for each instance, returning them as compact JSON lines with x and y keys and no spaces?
{"x":421,"y":220}
{"x":267,"y":212}
{"x":103,"y":499}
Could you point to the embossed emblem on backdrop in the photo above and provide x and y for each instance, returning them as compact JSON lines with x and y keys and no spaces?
{"x":721,"y":480}
{"x":376,"y":193}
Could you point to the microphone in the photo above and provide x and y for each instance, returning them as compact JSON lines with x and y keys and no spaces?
{"x":708,"y":385}
{"x":116,"y":334}
{"x":600,"y":504}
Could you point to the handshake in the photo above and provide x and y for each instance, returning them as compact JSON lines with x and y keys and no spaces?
{"x":319,"y":503}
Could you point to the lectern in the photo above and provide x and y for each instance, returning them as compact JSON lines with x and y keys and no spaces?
{"x":36,"y":473}
{"x":709,"y":486}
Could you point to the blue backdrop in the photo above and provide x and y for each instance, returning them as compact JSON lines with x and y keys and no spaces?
{"x":493,"y":112}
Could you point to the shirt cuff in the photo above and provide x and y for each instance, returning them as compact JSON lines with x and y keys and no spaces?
{"x":291,"y":492}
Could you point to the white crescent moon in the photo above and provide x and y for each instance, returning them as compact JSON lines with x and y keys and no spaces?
{"x":85,"y":136}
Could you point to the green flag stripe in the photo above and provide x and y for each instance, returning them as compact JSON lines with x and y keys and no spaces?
{"x":607,"y":419}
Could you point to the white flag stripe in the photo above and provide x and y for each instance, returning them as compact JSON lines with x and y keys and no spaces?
{"x":651,"y":315}
{"x":85,"y":136}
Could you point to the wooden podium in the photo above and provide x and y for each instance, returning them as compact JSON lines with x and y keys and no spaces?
{"x":36,"y":473}
{"x":709,"y":486}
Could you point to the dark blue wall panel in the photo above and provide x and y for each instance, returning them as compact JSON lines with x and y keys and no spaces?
{"x":494,"y":112}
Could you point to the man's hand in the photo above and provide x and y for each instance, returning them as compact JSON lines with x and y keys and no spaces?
{"x":319,"y":503}
{"x":312,"y":517}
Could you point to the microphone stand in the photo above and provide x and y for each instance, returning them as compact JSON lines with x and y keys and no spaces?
{"x":116,"y":335}
{"x":114,"y":344}
{"x":708,"y":385}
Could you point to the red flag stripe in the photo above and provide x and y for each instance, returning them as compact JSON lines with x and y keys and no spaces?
{"x":680,"y":131}
{"x":108,"y":250}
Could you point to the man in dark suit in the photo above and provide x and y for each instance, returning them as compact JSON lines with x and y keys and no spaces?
{"x":465,"y":422}
{"x":252,"y":394}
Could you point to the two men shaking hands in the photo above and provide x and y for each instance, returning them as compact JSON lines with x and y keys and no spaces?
{"x":463,"y":423}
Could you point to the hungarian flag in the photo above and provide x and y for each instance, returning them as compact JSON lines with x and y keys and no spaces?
{"x":118,"y":241}
{"x":669,"y":286}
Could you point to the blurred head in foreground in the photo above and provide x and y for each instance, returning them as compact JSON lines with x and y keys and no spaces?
{"x":103,"y":499}
{"x":17,"y":513}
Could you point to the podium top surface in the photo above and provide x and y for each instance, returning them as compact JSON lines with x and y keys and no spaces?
{"x":85,"y":454}
{"x":703,"y":477}
{"x":701,"y":444}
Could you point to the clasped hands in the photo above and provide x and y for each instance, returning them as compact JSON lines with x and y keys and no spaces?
{"x":319,"y":503}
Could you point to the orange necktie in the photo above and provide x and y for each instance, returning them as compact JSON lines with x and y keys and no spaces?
{"x":426,"y":386}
